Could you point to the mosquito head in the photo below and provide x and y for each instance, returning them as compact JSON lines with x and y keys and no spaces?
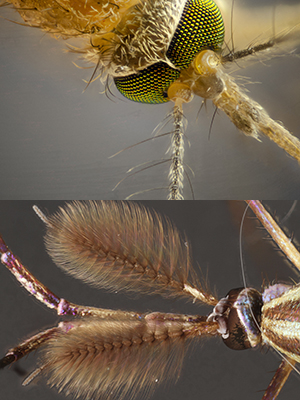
{"x":244,"y":316}
{"x":239,"y":317}
{"x":181,"y":31}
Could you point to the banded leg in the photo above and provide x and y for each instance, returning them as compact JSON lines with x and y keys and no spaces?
{"x":279,"y":379}
{"x":42,"y":293}
{"x":45,"y":296}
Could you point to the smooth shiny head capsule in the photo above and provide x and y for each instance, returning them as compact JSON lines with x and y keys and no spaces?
{"x":244,"y":318}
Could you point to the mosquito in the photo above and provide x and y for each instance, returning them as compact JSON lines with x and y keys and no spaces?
{"x":84,"y":155}
{"x":57,"y":247}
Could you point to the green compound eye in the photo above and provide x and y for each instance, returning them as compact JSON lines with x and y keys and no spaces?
{"x":200,"y":27}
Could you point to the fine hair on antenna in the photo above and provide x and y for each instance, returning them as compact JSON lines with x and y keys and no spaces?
{"x":97,"y":353}
{"x":153,"y":57}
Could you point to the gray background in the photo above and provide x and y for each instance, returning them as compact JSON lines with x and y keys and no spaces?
{"x":211,"y":370}
{"x":56,"y":140}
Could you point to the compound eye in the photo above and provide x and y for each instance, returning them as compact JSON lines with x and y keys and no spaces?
{"x":244,"y":319}
{"x":199,"y":27}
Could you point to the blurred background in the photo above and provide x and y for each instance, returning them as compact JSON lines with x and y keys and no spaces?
{"x":211,"y":371}
{"x":56,"y":138}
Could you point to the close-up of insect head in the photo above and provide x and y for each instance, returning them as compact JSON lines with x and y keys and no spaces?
{"x":170,"y":88}
{"x":158,"y":300}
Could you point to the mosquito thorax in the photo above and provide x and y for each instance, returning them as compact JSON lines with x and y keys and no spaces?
{"x":273,"y":291}
{"x":239,"y":318}
{"x":184,"y":29}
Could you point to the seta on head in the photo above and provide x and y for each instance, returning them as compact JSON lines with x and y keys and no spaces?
{"x":142,"y":45}
{"x":181,"y":30}
{"x":161,"y":50}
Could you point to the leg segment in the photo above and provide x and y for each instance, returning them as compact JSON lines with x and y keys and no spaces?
{"x":28,"y":345}
{"x":42,"y":293}
{"x":279,"y":379}
{"x":279,"y":237}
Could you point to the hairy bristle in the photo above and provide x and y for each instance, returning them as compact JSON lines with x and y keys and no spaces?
{"x":119,"y":245}
{"x":111,"y":358}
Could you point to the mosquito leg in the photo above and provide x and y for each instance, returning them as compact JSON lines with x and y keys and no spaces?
{"x":279,"y":379}
{"x":41,"y":292}
{"x":275,"y":232}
